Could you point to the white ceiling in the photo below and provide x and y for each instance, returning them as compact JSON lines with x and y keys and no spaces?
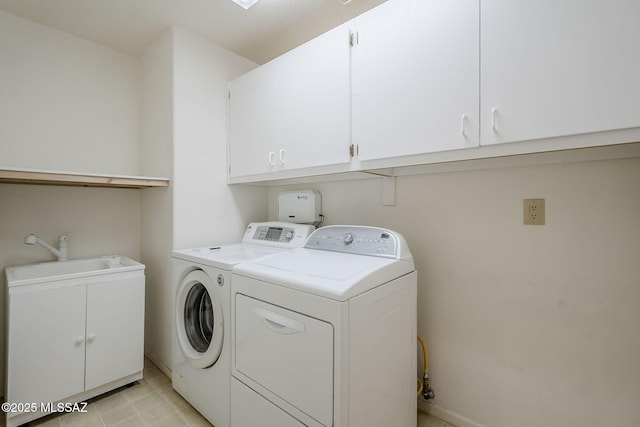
{"x":265,"y":31}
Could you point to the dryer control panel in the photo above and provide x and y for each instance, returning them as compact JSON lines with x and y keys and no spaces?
{"x":361,"y":240}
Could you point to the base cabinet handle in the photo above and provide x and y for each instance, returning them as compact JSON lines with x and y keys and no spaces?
{"x":494,"y":120}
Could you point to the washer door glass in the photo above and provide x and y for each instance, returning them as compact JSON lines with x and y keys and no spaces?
{"x":199,"y":321}
{"x":198,"y":318}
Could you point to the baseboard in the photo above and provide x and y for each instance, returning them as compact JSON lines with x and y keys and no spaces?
{"x":159,"y":364}
{"x":431,"y":407}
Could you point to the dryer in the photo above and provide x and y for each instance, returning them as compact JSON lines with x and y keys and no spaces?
{"x":201,"y":366}
{"x":325,"y":335}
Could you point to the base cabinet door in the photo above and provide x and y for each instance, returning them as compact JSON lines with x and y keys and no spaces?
{"x":416,"y":84}
{"x":552,"y":69}
{"x":45,"y":344}
{"x":115,"y":330}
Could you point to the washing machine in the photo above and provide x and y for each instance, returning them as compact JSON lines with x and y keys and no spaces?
{"x":325,"y":335}
{"x":201,"y":366}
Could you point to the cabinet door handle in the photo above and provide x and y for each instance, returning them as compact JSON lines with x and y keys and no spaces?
{"x":494,"y":113}
{"x":91,"y":337}
{"x":281,"y":155}
{"x":464,"y":125}
{"x":79,"y":340}
{"x":271,"y":157}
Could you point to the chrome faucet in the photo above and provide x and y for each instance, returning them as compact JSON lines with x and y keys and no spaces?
{"x":63,"y":246}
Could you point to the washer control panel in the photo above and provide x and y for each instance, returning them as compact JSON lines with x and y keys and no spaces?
{"x":354,"y":239}
{"x":274,"y":234}
{"x":281,"y":234}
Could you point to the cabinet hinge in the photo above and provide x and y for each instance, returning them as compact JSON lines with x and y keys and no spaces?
{"x":353,"y":38}
{"x":353,"y":150}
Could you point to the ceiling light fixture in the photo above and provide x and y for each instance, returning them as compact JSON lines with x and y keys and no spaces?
{"x":245,"y":3}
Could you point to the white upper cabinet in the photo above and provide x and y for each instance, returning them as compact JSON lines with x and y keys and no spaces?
{"x":314,"y":103}
{"x":295,"y":111}
{"x":424,"y":81}
{"x":556,"y":68}
{"x":253,"y":121}
{"x":416,"y":86}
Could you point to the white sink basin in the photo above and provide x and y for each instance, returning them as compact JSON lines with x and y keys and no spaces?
{"x":53,"y":271}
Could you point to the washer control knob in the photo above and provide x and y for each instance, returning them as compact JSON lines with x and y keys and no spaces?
{"x":347,"y":239}
{"x":288,"y":234}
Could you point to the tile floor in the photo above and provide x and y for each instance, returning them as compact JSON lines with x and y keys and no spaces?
{"x":151,"y":402}
{"x":428,"y":420}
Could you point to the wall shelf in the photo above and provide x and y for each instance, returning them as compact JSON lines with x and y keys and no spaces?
{"x":43,"y":177}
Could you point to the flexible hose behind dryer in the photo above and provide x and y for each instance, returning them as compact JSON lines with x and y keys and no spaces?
{"x":424,"y":387}
{"x":425,"y":356}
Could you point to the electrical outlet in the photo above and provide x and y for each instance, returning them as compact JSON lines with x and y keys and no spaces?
{"x":534,"y":212}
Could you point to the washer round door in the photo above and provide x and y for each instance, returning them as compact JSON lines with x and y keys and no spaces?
{"x":199,"y":321}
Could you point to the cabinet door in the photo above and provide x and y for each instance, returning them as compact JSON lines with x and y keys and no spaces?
{"x":314,"y":101}
{"x":253,"y":121}
{"x":553,"y":68}
{"x":46,"y":344}
{"x":417,"y":77}
{"x":115,"y":330}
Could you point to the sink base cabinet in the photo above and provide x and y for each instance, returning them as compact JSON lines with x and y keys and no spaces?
{"x":67,"y":342}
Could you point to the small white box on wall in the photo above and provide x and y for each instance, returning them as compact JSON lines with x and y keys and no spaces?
{"x":300,"y":207}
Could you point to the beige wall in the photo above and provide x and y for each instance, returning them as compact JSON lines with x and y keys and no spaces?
{"x":185,"y":137}
{"x":526,"y":325}
{"x":157,"y":204}
{"x":206,"y":210}
{"x":65,"y":104}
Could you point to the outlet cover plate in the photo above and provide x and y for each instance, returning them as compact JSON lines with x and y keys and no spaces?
{"x":534,"y":212}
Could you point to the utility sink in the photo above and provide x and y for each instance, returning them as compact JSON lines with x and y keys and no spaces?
{"x":77,"y":268}
{"x":73,"y":330}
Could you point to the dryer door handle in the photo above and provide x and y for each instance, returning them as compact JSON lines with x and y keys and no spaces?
{"x":279,"y":323}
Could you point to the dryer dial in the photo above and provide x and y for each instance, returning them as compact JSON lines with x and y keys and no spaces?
{"x":348,"y":238}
